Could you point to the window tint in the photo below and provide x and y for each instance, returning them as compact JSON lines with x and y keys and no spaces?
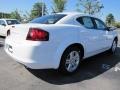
{"x":11,"y":22}
{"x":86,"y":22}
{"x":48,"y":19}
{"x":100,"y":25}
{"x":80,"y":20}
{"x":2,"y":22}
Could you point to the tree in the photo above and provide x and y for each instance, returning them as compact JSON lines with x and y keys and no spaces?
{"x":78,"y":7}
{"x":16,"y":15}
{"x":117,"y":24}
{"x":59,"y":5}
{"x":4,"y":15}
{"x":37,"y":10}
{"x":110,"y":20}
{"x":26,"y":17}
{"x":90,"y":6}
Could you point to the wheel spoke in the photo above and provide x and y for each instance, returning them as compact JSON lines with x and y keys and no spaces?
{"x":114,"y":46}
{"x":71,"y":55}
{"x":68,"y":61}
{"x":72,"y":61}
{"x":69,"y":67}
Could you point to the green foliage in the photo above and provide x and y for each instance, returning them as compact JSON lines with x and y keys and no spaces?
{"x":90,"y":6}
{"x":37,"y":10}
{"x":59,"y":5}
{"x":110,"y":20}
{"x":4,"y":15}
{"x":117,"y":24}
{"x":16,"y":15}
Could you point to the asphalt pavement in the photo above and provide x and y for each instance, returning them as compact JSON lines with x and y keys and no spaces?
{"x":101,"y":72}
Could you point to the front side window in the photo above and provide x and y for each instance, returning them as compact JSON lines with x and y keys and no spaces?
{"x":100,"y":25}
{"x":48,"y":19}
{"x":12,"y":22}
{"x":2,"y":22}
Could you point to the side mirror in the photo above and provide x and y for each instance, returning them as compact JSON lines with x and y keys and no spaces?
{"x":111,"y":28}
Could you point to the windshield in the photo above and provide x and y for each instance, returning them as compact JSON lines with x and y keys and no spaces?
{"x":11,"y":22}
{"x":48,"y":19}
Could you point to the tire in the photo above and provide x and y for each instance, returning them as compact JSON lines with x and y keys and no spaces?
{"x":113,"y":47}
{"x":70,"y":60}
{"x":8,"y":32}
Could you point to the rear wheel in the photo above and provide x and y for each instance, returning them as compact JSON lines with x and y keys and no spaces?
{"x":70,"y":60}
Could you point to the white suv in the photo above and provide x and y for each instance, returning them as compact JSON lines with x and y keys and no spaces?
{"x":6,"y":24}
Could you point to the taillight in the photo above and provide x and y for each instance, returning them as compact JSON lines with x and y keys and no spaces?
{"x":36,"y":34}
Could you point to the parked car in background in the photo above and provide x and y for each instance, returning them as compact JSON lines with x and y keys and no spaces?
{"x":6,"y":24}
{"x":59,"y":41}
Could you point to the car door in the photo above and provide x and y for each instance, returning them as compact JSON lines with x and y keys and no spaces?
{"x":2,"y":27}
{"x":103,"y":33}
{"x":90,"y":36}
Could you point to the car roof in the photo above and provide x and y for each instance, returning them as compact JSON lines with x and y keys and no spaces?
{"x":70,"y":13}
{"x":7,"y":19}
{"x":76,"y":14}
{"x":71,"y":17}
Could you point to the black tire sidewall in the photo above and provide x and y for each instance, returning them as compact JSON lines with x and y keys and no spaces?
{"x":62,"y":67}
{"x":113,"y":52}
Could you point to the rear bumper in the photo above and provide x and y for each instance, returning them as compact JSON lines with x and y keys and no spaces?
{"x":27,"y":63}
{"x":34,"y":56}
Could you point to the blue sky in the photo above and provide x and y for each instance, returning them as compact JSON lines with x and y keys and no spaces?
{"x":110,"y":6}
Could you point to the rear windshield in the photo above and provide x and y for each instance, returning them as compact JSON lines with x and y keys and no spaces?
{"x":48,"y":19}
{"x":11,"y":22}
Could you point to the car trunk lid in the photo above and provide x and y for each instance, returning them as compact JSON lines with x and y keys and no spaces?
{"x":20,"y":32}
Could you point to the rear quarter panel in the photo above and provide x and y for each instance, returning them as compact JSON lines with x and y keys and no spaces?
{"x":62,"y":36}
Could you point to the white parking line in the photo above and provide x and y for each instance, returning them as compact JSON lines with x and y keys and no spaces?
{"x":117,"y":69}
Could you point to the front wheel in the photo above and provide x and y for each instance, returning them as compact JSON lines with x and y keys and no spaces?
{"x":70,"y":60}
{"x":114,"y":46}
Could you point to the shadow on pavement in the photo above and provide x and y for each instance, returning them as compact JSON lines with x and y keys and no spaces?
{"x":89,"y":69}
{"x":1,"y":45}
{"x":2,"y":37}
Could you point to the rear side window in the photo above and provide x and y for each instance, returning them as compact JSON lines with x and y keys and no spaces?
{"x":48,"y":19}
{"x":80,"y":20}
{"x":86,"y":22}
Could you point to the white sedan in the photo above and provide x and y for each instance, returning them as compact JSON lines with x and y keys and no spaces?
{"x":59,"y":41}
{"x":6,"y":25}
